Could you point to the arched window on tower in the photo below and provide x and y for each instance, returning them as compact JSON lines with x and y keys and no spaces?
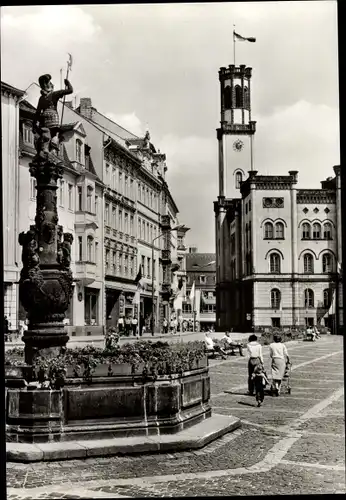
{"x":228,"y":97}
{"x":246,"y":98}
{"x":275,"y":263}
{"x":275,"y":298}
{"x":279,"y":231}
{"x":268,"y":231}
{"x":306,"y":231}
{"x":308,"y":263}
{"x":316,"y":231}
{"x":238,"y":179}
{"x":327,"y":263}
{"x":327,"y":231}
{"x":308,"y":298}
{"x":326,"y":298}
{"x":238,"y":97}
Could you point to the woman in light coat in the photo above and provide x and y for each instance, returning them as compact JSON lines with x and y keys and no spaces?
{"x":279,"y":357}
{"x":254,"y":350}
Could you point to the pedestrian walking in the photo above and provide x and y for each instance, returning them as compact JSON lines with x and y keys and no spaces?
{"x":134,"y":325}
{"x":121,"y":325}
{"x":279,"y":356}
{"x":165,"y":325}
{"x":260,"y":380}
{"x":127,"y":326}
{"x":254,"y":350}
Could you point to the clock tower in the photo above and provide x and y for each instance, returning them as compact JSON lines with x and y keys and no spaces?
{"x":236,"y":158}
{"x":236,"y":134}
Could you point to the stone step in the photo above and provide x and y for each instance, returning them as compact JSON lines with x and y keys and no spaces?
{"x":191,"y":438}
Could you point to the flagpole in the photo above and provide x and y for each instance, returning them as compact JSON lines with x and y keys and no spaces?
{"x":233,"y":45}
{"x":69,"y":63}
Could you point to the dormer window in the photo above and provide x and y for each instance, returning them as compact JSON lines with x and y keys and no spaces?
{"x":28,"y":136}
{"x":89,"y":198}
{"x":79,"y":146}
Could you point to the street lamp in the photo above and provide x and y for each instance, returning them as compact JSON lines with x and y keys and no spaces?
{"x":175,"y":228}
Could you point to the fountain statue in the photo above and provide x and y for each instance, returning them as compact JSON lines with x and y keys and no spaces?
{"x":45,"y":285}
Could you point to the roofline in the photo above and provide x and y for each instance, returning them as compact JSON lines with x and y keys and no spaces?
{"x":120,"y":126}
{"x":5,"y":87}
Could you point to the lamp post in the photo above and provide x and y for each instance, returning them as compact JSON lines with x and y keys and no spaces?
{"x":175,"y":228}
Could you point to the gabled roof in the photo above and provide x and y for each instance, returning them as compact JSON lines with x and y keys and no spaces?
{"x":200,"y":260}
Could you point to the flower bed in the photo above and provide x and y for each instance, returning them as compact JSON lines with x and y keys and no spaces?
{"x":150,"y":359}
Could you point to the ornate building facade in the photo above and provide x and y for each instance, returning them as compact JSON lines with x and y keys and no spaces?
{"x":279,"y":248}
{"x":200,"y":270}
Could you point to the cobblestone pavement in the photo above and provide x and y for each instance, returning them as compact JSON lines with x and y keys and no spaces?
{"x":293,"y":444}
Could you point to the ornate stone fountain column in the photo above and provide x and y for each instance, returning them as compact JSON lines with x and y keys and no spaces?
{"x":45,"y":285}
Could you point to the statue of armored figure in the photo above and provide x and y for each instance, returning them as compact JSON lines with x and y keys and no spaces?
{"x":30,"y":256}
{"x":46,"y":126}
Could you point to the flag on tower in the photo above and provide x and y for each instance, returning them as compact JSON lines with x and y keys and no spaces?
{"x":240,"y":38}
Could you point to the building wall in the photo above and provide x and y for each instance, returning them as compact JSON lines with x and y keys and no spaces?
{"x":10,"y":194}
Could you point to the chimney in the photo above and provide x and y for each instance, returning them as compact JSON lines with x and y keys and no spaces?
{"x":193,"y":250}
{"x":85,"y":108}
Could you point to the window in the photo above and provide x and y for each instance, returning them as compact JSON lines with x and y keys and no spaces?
{"x":279,"y":231}
{"x":143,"y":265}
{"x":326,"y":298}
{"x":154,"y":274}
{"x":120,"y":182}
{"x":139,"y":192}
{"x":114,"y":261}
{"x":327,"y":231}
{"x":107,"y":214}
{"x":187,"y":309}
{"x":148,"y":236}
{"x":79,"y":145}
{"x":148,"y":267}
{"x":275,"y":298}
{"x":131,"y":193}
{"x":308,"y":263}
{"x":308,"y":298}
{"x":139,"y":228}
{"x":91,"y":301}
{"x":126,"y":186}
{"x":126,"y":223}
{"x":80,"y":248}
{"x":131,"y":225}
{"x":96,"y":205}
{"x":96,"y":252}
{"x":108,"y":174}
{"x":238,"y":179}
{"x":316,"y":231}
{"x":126,"y":264}
{"x":228,"y":97}
{"x":249,"y":205}
{"x":28,"y":136}
{"x":114,"y":216}
{"x":114,"y":178}
{"x":327,"y":266}
{"x":275,"y":263}
{"x":120,"y":219}
{"x":90,"y":248}
{"x":61,"y":192}
{"x":202,"y":280}
{"x":268,"y":230}
{"x":306,"y":231}
{"x":80,"y":197}
{"x":70,"y":196}
{"x":89,"y":198}
{"x":132,"y":260}
{"x":33,"y":190}
{"x":246,"y":98}
{"x":120,"y":263}
{"x":238,"y":97}
{"x":107,"y":260}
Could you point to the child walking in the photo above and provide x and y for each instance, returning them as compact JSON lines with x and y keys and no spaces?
{"x":260,"y":380}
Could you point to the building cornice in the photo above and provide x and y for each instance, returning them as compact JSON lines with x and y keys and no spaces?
{"x":316,"y":196}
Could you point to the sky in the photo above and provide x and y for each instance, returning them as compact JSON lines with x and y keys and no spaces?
{"x":156,"y":67}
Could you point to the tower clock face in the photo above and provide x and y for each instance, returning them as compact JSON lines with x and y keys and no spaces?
{"x":238,"y":145}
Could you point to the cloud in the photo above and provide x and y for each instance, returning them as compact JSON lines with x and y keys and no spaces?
{"x":130,"y":121}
